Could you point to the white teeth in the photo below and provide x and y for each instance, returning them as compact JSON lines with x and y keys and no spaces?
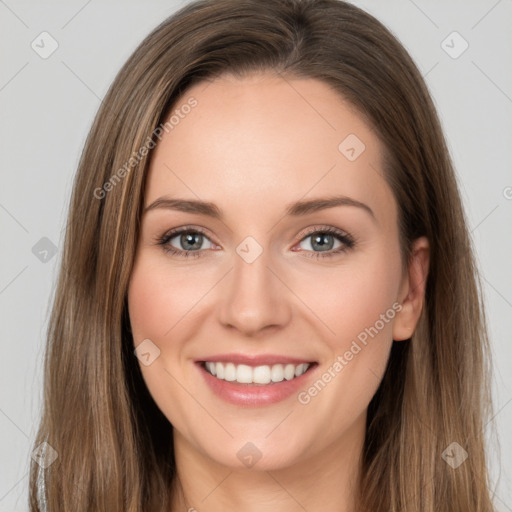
{"x":277,"y":373}
{"x":219,"y":370}
{"x":289,"y":371}
{"x":264,"y":374}
{"x":243,"y":373}
{"x":300,"y":370}
{"x":230,"y":372}
{"x":211,"y":368}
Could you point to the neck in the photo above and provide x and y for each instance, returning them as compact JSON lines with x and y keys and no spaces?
{"x":327,"y":481}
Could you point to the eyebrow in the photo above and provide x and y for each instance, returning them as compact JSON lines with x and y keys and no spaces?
{"x":296,"y":209}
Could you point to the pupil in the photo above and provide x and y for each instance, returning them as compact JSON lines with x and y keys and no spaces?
{"x":320,"y":240}
{"x":191,"y":238}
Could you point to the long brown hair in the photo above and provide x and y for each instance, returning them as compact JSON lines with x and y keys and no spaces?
{"x":113,"y":445}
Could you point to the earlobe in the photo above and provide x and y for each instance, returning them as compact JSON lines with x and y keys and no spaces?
{"x":412,"y":291}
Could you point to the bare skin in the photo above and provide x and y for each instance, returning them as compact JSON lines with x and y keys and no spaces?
{"x":254,"y":146}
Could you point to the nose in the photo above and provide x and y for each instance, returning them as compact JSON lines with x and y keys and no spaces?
{"x":254,"y":298}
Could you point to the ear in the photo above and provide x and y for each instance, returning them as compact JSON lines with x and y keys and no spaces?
{"x":412,"y":290}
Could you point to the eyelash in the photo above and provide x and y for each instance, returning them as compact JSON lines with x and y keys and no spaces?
{"x":347,"y":241}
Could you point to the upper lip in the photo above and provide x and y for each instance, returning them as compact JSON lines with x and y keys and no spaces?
{"x":254,"y":360}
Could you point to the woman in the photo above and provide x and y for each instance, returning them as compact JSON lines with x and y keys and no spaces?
{"x":268,"y":298}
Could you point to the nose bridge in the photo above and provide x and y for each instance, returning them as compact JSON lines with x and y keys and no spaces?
{"x":254,"y":298}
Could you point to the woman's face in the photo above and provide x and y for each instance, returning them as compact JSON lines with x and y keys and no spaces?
{"x":268,"y":246}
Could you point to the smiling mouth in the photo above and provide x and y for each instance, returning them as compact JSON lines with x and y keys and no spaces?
{"x":262,"y":375}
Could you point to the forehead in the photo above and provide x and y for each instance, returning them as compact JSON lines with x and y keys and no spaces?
{"x":264,"y":139}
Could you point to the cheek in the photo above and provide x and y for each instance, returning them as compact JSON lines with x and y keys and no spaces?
{"x":357,"y":303}
{"x":353,"y":297}
{"x":159,"y":296}
{"x":161,"y":302}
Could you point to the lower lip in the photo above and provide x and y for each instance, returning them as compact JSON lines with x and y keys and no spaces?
{"x":255,"y":395}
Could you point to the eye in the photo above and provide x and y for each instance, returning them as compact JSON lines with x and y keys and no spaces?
{"x":185,"y":242}
{"x":319,"y":242}
{"x":326,"y":242}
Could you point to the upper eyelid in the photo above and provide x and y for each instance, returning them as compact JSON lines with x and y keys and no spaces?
{"x":185,"y":229}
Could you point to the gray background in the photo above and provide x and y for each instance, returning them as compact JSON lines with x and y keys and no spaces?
{"x":47,"y":106}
